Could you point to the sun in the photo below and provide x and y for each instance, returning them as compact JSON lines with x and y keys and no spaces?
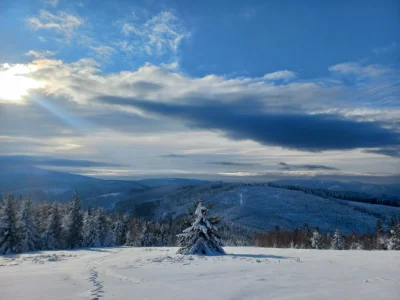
{"x":15,"y":83}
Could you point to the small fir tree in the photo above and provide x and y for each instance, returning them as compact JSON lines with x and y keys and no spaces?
{"x":379,"y":228}
{"x":9,"y":239}
{"x":52,"y":236}
{"x":395,"y":239}
{"x":90,"y":230}
{"x":316,"y":239}
{"x":73,"y":224}
{"x":337,"y":241}
{"x":202,"y":236}
{"x":308,"y":236}
{"x":104,"y":229}
{"x":120,"y":231}
{"x":146,"y":237}
{"x":27,"y":227}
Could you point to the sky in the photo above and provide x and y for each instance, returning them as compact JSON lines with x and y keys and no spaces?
{"x":208,"y":89}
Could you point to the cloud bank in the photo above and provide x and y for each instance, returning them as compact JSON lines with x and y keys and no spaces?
{"x":285,"y":166}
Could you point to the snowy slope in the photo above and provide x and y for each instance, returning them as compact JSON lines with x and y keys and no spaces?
{"x":159,"y":273}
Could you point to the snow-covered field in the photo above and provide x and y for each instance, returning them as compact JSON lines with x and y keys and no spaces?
{"x":159,"y":273}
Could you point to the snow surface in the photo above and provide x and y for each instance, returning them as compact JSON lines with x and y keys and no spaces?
{"x":160,"y":273}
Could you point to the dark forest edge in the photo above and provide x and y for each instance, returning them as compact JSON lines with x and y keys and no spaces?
{"x":341,"y":195}
{"x":25,"y":226}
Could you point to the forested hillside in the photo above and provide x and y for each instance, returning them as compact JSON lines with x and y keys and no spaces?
{"x":261,"y":207}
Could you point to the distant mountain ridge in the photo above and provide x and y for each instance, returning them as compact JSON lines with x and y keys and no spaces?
{"x":261,"y":207}
{"x":256,"y":206}
{"x":368,"y":188}
{"x":48,"y":186}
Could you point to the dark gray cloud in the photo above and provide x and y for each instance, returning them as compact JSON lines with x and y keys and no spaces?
{"x":145,"y":86}
{"x":230,"y":163}
{"x":241,"y":121}
{"x":174,"y":156}
{"x":393,"y":152}
{"x":25,"y":160}
{"x":286,"y":166}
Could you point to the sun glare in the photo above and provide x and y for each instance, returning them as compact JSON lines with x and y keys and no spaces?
{"x":14,"y":83}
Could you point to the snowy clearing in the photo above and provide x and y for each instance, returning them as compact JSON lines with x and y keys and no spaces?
{"x":160,"y":273}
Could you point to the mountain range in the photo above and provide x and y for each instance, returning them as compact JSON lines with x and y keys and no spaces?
{"x":255,"y":205}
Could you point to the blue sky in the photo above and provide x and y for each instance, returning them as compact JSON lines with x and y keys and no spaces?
{"x":242,"y":38}
{"x":175,"y":85}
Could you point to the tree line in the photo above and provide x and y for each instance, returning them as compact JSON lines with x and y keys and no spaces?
{"x":25,"y":226}
{"x":305,"y":238}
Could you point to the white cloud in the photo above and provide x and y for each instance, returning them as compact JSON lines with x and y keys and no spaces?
{"x":82,"y":82}
{"x":164,"y":83}
{"x":103,"y":51}
{"x":280,"y":75}
{"x":40,"y":54}
{"x":352,"y":68}
{"x":125,"y":47}
{"x":158,"y":35}
{"x":61,"y":22}
{"x":171,"y":66}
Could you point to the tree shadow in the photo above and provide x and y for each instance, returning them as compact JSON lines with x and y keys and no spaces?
{"x":257,"y":256}
{"x":96,"y":249}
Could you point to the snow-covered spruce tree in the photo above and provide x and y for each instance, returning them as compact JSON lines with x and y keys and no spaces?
{"x":104,"y":228}
{"x":316,"y":239}
{"x":395,"y":239}
{"x":27,"y":227}
{"x":307,"y":243}
{"x":90,"y":230}
{"x":120,"y":230}
{"x":146,"y":238}
{"x":133,"y":233}
{"x":73,"y":224}
{"x":202,"y":236}
{"x":9,"y":239}
{"x":52,"y":236}
{"x":337,"y":241}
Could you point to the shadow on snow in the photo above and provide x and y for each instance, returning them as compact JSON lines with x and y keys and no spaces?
{"x":257,"y":256}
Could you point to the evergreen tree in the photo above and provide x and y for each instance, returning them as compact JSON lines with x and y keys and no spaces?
{"x":109,"y":236}
{"x":202,"y":236}
{"x":145,"y":236}
{"x":120,"y":231}
{"x":52,"y":236}
{"x":73,"y":224}
{"x":337,"y":241}
{"x":130,"y":238}
{"x":104,"y":229}
{"x":381,"y":241}
{"x":308,"y":235}
{"x":133,"y":233}
{"x":9,"y":239}
{"x":316,"y":239}
{"x":27,"y":227}
{"x":379,"y":228}
{"x":90,"y":230}
{"x":395,"y":239}
{"x":277,"y":230}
